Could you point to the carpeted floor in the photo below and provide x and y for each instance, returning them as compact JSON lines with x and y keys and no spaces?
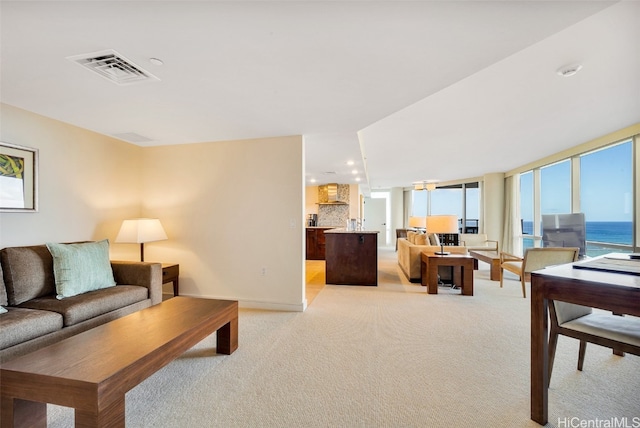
{"x":386,"y":356}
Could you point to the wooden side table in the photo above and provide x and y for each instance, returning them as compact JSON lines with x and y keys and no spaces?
{"x":462,"y":271}
{"x":170,"y":273}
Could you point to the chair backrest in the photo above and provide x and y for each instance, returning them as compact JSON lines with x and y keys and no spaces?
{"x":473,"y":239}
{"x":538,"y":258}
{"x":565,"y":312}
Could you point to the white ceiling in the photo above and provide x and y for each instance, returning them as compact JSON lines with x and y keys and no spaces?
{"x":427,"y":89}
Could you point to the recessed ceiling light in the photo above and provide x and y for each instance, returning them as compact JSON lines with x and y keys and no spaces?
{"x":354,"y":172}
{"x":313,"y":180}
{"x":357,"y":178}
{"x":569,"y":70}
{"x":350,"y":162}
{"x":156,"y":61}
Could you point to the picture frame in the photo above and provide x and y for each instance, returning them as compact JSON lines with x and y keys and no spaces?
{"x":18,"y":178}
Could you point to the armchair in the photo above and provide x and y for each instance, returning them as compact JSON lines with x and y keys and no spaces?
{"x":478,"y":242}
{"x":534,"y":259}
{"x":622,"y":334}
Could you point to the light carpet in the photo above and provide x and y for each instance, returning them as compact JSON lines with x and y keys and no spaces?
{"x":386,"y":356}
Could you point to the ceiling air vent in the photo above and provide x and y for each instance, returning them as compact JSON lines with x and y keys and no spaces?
{"x":114,"y":67}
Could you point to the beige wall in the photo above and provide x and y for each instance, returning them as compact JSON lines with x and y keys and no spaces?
{"x":88,"y":183}
{"x":493,"y":207}
{"x":230,"y":209}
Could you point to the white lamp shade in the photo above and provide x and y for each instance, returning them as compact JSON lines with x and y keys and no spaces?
{"x":418,"y":222}
{"x":442,"y":224}
{"x":141,"y":230}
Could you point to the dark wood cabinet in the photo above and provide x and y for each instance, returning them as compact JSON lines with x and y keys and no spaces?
{"x":315,"y":247}
{"x":352,"y":258}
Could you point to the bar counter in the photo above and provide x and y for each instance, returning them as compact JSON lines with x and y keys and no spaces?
{"x":351,"y":257}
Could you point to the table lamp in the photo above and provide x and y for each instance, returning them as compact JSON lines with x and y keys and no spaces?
{"x":418,"y":222}
{"x":139,"y":231}
{"x":442,"y":224}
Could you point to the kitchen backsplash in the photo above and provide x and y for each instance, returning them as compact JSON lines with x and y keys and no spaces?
{"x":334,"y":214}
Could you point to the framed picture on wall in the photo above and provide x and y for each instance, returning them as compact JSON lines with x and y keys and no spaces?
{"x":18,"y":178}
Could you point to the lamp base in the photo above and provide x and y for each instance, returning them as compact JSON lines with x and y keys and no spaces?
{"x":442,"y":252}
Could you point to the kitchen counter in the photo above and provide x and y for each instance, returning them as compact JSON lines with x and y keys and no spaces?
{"x":351,"y":257}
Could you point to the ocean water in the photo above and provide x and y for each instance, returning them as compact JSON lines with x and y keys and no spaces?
{"x":614,"y":232}
{"x":611,"y":232}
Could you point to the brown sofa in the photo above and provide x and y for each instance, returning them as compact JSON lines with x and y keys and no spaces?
{"x":36,"y":318}
{"x":409,"y":258}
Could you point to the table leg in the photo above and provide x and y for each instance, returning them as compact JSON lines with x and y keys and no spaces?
{"x":227,"y":338}
{"x":457,"y":276}
{"x":539,"y":353}
{"x":17,"y":413}
{"x":423,"y":273}
{"x":494,"y":274}
{"x":176,"y":287}
{"x":432,"y":277}
{"x":467,"y":280}
{"x":111,"y":416}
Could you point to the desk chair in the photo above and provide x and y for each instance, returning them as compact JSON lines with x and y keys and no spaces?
{"x":534,"y":259}
{"x":622,"y":334}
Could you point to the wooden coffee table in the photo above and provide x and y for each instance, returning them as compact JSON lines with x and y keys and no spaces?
{"x":462,"y":271}
{"x":93,"y":370}
{"x":491,"y":257}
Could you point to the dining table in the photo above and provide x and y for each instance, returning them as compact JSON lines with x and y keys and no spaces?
{"x":589,"y":283}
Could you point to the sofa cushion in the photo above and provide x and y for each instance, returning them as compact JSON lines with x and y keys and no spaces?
{"x":76,"y":309}
{"x":3,"y":290}
{"x":79,"y":268}
{"x":28,"y":273}
{"x":19,"y":325}
{"x":421,"y":239}
{"x":434,"y":239}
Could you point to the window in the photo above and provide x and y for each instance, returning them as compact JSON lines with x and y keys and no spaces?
{"x":555,"y":188}
{"x":606,"y":185}
{"x":462,"y":200}
{"x":447,"y":200}
{"x":604,"y":180}
{"x":419,"y":203}
{"x":472,"y":206}
{"x":526,"y":208}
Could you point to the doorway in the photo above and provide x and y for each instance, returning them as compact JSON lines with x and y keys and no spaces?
{"x":375,"y":218}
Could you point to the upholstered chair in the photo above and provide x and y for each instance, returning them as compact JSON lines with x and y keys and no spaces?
{"x":478,"y":241}
{"x":622,"y":334}
{"x":534,"y":259}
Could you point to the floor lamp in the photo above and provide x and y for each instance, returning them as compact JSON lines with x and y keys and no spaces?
{"x":139,"y":231}
{"x":442,"y":224}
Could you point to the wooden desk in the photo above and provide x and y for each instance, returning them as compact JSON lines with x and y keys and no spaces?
{"x":616,"y":292}
{"x":462,"y":271}
{"x":170,"y":273}
{"x":114,"y":358}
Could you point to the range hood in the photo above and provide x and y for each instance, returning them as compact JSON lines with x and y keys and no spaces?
{"x":328,"y":195}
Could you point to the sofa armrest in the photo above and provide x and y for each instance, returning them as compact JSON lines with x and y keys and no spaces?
{"x":143,"y":274}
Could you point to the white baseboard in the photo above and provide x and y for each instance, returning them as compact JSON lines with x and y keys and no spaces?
{"x":257,"y":304}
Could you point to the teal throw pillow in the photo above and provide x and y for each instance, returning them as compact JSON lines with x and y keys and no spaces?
{"x":79,"y":268}
{"x":3,"y":310}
